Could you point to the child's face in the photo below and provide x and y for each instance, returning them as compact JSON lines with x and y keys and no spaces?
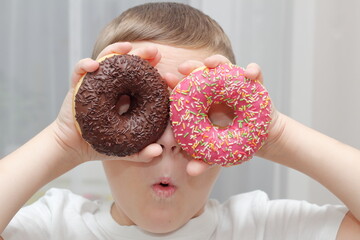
{"x":160,"y":196}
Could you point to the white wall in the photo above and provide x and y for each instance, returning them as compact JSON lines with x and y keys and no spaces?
{"x":336,"y":94}
{"x":325,"y":80}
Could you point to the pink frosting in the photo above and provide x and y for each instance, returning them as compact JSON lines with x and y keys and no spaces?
{"x":191,"y":100}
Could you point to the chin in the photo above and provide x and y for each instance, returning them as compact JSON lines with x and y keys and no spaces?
{"x":163,"y":221}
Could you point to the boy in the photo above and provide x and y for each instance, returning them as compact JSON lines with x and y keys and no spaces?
{"x":176,"y":39}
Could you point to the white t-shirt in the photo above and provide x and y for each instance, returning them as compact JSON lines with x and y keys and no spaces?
{"x":60,"y":215}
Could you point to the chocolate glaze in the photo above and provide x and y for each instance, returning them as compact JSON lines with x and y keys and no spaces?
{"x":102,"y":126}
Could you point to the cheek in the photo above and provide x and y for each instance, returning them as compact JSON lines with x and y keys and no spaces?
{"x":123,"y":177}
{"x":202,"y":185}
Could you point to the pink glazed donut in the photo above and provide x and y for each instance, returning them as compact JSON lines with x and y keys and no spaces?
{"x":190,"y":103}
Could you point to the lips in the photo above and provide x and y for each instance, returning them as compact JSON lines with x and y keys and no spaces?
{"x":164,"y":188}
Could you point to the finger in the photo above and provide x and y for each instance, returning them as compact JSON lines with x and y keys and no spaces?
{"x":253,"y":72}
{"x":171,"y":79}
{"x":196,"y":167}
{"x":215,"y":60}
{"x":118,"y":47}
{"x":145,"y":155}
{"x":149,"y":53}
{"x":149,"y":152}
{"x":187,"y":67}
{"x":81,"y":68}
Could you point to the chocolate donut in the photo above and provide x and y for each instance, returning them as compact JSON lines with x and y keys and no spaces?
{"x":96,"y":108}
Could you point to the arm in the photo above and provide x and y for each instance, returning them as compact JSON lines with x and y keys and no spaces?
{"x":30,"y":167}
{"x":333,"y":164}
{"x":59,"y":147}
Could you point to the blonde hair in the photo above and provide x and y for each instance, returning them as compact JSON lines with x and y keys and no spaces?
{"x":166,"y":23}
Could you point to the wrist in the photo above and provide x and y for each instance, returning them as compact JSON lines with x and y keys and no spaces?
{"x":66,"y":153}
{"x":274,"y":144}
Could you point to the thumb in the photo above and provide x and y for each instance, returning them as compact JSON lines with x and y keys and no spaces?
{"x":81,"y":68}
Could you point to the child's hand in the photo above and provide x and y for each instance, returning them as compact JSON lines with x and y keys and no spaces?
{"x":252,"y":71}
{"x":149,"y":53}
{"x":64,"y":127}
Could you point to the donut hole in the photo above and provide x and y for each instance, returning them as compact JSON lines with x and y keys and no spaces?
{"x":221,"y":114}
{"x":123,"y":104}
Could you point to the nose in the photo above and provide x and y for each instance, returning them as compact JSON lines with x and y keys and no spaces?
{"x":168,"y":142}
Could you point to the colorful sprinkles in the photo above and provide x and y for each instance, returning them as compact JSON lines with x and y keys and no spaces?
{"x":191,"y":100}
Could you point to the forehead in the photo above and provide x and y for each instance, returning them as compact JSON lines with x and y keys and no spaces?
{"x":172,"y":57}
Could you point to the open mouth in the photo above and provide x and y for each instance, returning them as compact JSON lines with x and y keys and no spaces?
{"x":164,"y":184}
{"x":164,"y":188}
